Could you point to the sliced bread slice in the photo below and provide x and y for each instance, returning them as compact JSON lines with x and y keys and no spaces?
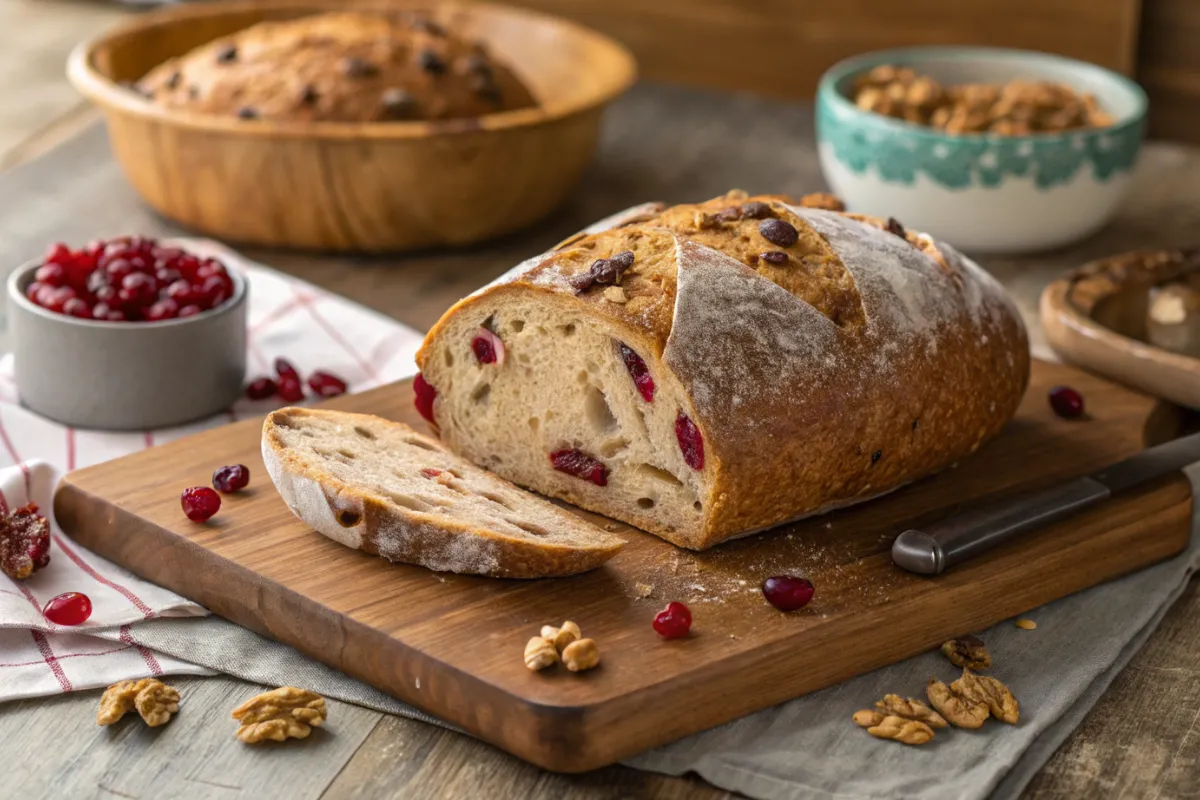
{"x":381,"y":487}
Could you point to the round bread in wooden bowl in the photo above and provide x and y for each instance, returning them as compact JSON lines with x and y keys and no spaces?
{"x":381,"y":186}
{"x":1098,"y":317}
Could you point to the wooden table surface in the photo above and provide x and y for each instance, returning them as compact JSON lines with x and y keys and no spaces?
{"x":1142,"y":740}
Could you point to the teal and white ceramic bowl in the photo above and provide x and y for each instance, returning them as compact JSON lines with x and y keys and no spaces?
{"x":981,"y":192}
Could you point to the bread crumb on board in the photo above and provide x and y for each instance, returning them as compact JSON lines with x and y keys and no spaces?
{"x":1026,"y":624}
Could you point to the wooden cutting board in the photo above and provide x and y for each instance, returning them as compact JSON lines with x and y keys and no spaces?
{"x":452,"y":645}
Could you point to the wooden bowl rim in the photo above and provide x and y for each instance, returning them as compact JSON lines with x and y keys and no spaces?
{"x":1057,"y":303}
{"x":101,"y":89}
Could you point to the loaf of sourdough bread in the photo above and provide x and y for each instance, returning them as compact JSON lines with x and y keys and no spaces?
{"x":381,"y":487}
{"x":706,"y":371}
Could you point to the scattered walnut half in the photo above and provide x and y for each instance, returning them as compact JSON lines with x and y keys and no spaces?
{"x":896,"y":706}
{"x":153,"y":699}
{"x":581,"y":655}
{"x":284,"y":713}
{"x":540,"y":653}
{"x":990,"y":692}
{"x":967,"y":651}
{"x":569,"y":632}
{"x":888,"y":726}
{"x":962,"y":711}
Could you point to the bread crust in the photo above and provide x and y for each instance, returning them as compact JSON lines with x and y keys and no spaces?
{"x":811,"y":391}
{"x":440,"y":543}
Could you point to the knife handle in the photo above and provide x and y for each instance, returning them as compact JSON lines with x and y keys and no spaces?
{"x":961,"y":536}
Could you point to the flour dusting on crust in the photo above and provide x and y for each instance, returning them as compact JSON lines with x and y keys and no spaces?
{"x":739,"y":338}
{"x":903,"y":290}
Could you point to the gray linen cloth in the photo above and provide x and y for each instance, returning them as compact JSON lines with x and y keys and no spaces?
{"x":808,"y":748}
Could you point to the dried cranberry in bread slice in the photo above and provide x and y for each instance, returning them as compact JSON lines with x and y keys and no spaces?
{"x":381,"y":487}
{"x":710,"y":370}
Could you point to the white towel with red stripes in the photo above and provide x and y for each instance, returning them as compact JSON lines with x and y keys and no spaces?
{"x":287,"y":317}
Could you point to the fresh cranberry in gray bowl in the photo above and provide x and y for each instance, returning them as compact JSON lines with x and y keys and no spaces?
{"x":96,"y":347}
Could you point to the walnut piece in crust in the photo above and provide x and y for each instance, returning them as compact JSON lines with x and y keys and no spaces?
{"x":967,"y":651}
{"x":887,"y":726}
{"x":280,"y":714}
{"x":961,"y":710}
{"x":984,"y":689}
{"x":153,"y":699}
{"x":894,"y":705}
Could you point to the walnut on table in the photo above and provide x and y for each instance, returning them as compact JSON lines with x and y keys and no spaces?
{"x":992,"y":693}
{"x":961,"y":710}
{"x":562,"y":636}
{"x":967,"y":651}
{"x":580,"y":655}
{"x":154,"y":700}
{"x":889,"y":726}
{"x":896,"y":706}
{"x":280,"y":714}
{"x":540,"y":653}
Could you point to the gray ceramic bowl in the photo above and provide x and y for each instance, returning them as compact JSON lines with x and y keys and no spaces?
{"x":127,"y":375}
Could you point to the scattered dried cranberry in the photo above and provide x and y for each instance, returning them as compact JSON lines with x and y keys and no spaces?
{"x":778,"y":232}
{"x":326,"y":384}
{"x":290,"y":390}
{"x":674,"y":621}
{"x":430,"y":472}
{"x":690,"y":441}
{"x":788,"y":593}
{"x":638,"y":371}
{"x":128,"y":278}
{"x":488,"y":347}
{"x":232,"y":478}
{"x":756,"y":209}
{"x":431,"y":62}
{"x":260,"y":388}
{"x":425,"y":394}
{"x":24,"y":542}
{"x":1066,"y":402}
{"x":894,"y":226}
{"x":69,"y":608}
{"x":200,"y":503}
{"x":774,"y":257}
{"x":285,"y":370}
{"x":581,"y":465}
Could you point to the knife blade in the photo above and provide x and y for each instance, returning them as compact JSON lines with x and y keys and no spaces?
{"x":941,"y":545}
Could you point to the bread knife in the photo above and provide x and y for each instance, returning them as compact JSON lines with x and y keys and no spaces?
{"x":939,"y":546}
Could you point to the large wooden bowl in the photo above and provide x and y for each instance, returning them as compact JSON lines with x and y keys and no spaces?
{"x":357,"y":186}
{"x":1095,"y":317}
